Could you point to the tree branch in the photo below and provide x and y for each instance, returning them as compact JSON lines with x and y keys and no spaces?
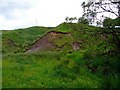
{"x":108,"y":10}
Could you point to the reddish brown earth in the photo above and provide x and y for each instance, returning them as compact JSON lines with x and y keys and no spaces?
{"x":45,"y":42}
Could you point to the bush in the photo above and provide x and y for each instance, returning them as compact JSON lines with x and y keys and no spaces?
{"x":83,"y":20}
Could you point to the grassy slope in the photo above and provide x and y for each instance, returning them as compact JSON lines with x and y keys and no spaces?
{"x":53,"y":69}
{"x":19,"y":40}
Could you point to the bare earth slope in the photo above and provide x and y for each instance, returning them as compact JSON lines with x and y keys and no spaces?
{"x":48,"y":41}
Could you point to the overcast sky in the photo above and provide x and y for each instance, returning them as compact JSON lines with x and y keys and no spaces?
{"x":24,"y":13}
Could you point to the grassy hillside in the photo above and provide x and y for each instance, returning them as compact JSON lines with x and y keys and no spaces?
{"x":81,"y":58}
{"x":21,"y":39}
{"x":18,"y":40}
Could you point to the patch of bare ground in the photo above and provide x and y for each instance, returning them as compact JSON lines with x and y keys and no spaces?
{"x":10,"y":42}
{"x":45,"y":42}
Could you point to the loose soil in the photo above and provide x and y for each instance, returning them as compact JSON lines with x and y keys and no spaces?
{"x":45,"y":42}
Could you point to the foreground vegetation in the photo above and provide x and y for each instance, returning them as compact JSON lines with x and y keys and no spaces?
{"x":47,"y":70}
{"x":94,"y":65}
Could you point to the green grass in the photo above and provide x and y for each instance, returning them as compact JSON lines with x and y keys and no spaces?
{"x":38,"y":70}
{"x":19,"y":40}
{"x":61,"y":68}
{"x":64,"y":27}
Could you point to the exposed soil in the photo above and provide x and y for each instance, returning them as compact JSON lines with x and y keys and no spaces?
{"x":45,"y":42}
{"x":76,"y":45}
{"x":11,"y":42}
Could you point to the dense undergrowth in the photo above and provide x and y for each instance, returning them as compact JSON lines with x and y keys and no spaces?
{"x":94,"y":65}
{"x":45,"y":69}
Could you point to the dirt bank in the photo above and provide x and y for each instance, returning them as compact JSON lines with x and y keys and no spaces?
{"x":46,"y":42}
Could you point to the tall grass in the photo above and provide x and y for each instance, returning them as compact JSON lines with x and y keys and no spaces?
{"x":45,"y":69}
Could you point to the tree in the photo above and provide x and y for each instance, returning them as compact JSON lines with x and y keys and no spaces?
{"x":117,"y":21}
{"x":93,"y":8}
{"x":97,"y":12}
{"x":108,"y":22}
{"x":83,"y":20}
{"x":71,"y":19}
{"x":67,"y":18}
{"x":111,"y":23}
{"x":74,"y":18}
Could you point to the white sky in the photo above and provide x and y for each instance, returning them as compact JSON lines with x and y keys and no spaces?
{"x":24,"y":13}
